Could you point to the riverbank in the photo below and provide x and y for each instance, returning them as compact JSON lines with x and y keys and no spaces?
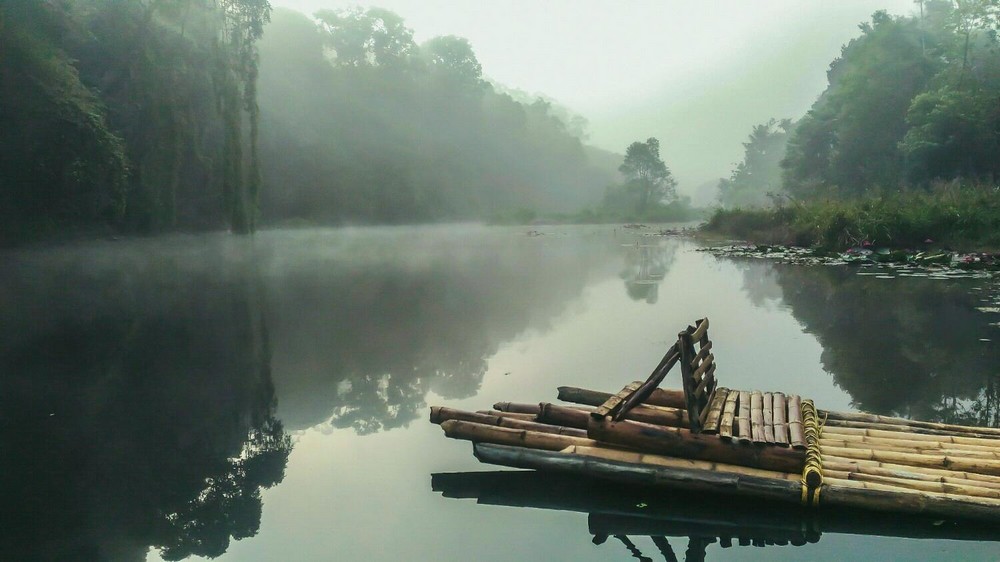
{"x":958,"y":219}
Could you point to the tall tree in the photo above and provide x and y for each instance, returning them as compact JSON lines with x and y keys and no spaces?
{"x":759,"y":174}
{"x":647,"y":174}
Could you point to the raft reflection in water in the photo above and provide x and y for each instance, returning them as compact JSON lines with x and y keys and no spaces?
{"x":620,"y":511}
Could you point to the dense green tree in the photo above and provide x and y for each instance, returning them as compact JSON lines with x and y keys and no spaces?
{"x":647,"y":175}
{"x":953,"y":133}
{"x":60,"y":162}
{"x":406,"y":133}
{"x":373,"y":37}
{"x":759,"y":174}
{"x":128,"y":114}
{"x":848,"y":142}
{"x":453,"y":58}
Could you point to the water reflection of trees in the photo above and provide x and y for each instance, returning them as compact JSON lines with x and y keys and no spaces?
{"x":906,"y":346}
{"x":645,"y":267}
{"x":362,"y":335}
{"x":136,"y":404}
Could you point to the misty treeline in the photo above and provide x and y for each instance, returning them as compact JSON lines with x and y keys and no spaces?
{"x":149,"y":115}
{"x":363,"y":124}
{"x":140,"y":114}
{"x":913,"y":101}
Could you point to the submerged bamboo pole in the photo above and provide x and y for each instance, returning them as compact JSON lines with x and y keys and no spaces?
{"x":835,"y":492}
{"x":659,"y":397}
{"x":744,"y":419}
{"x":861,"y":417}
{"x":479,"y":433}
{"x":440,"y":414}
{"x":728,"y":415}
{"x":683,"y":443}
{"x":687,"y":479}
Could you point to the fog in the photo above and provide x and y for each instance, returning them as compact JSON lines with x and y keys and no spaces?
{"x":696,"y":75}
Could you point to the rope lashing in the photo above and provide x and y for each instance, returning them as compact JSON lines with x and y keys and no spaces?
{"x":812,"y":472}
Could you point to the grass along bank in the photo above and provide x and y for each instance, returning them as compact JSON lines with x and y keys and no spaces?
{"x":951,"y":216}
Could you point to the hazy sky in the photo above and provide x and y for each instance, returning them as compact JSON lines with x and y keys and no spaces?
{"x":696,"y":74}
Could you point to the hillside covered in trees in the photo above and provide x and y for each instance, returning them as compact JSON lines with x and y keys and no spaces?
{"x":912,"y":101}
{"x":363,"y":124}
{"x":152,"y":115}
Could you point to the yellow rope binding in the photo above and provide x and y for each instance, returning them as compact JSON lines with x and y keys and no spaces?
{"x":812,"y":472}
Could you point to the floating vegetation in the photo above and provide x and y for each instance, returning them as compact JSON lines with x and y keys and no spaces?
{"x":880,"y":263}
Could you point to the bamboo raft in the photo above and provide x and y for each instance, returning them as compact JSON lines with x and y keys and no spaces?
{"x":766,"y":445}
{"x":621,"y":511}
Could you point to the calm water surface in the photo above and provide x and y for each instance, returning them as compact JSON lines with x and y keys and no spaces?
{"x":199,"y":396}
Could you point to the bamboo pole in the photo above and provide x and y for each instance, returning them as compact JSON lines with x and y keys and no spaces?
{"x":956,"y":439}
{"x":479,"y":433}
{"x":613,"y":402}
{"x":844,"y":493}
{"x":964,"y":464}
{"x":895,"y":498}
{"x":707,"y":383}
{"x":908,"y":429}
{"x":768,"y":407}
{"x":715,"y":410}
{"x":574,"y":417}
{"x":683,"y":443}
{"x":744,"y":419}
{"x":757,"y":416}
{"x":796,"y":433}
{"x":516,"y":408}
{"x":701,"y":355}
{"x":910,"y":473}
{"x":441,"y":414}
{"x":659,"y":397}
{"x":728,"y":414}
{"x":637,"y":457}
{"x":844,"y":463}
{"x":918,"y":447}
{"x":700,"y":330}
{"x":511,"y":415}
{"x":611,"y":510}
{"x":652,"y":382}
{"x":780,"y":419}
{"x":689,"y":480}
{"x":862,"y":417}
{"x":963,"y":489}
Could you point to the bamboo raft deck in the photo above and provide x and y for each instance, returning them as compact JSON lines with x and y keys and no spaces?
{"x":765,"y":445}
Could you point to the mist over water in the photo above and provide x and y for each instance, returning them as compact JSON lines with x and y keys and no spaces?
{"x":152,"y":384}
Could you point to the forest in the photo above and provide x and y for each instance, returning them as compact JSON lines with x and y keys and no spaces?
{"x":146,"y":116}
{"x":901,"y":147}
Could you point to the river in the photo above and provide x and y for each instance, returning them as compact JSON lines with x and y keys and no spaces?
{"x":264,"y":399}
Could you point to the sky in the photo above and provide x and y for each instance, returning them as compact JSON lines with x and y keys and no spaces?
{"x":697,"y":74}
